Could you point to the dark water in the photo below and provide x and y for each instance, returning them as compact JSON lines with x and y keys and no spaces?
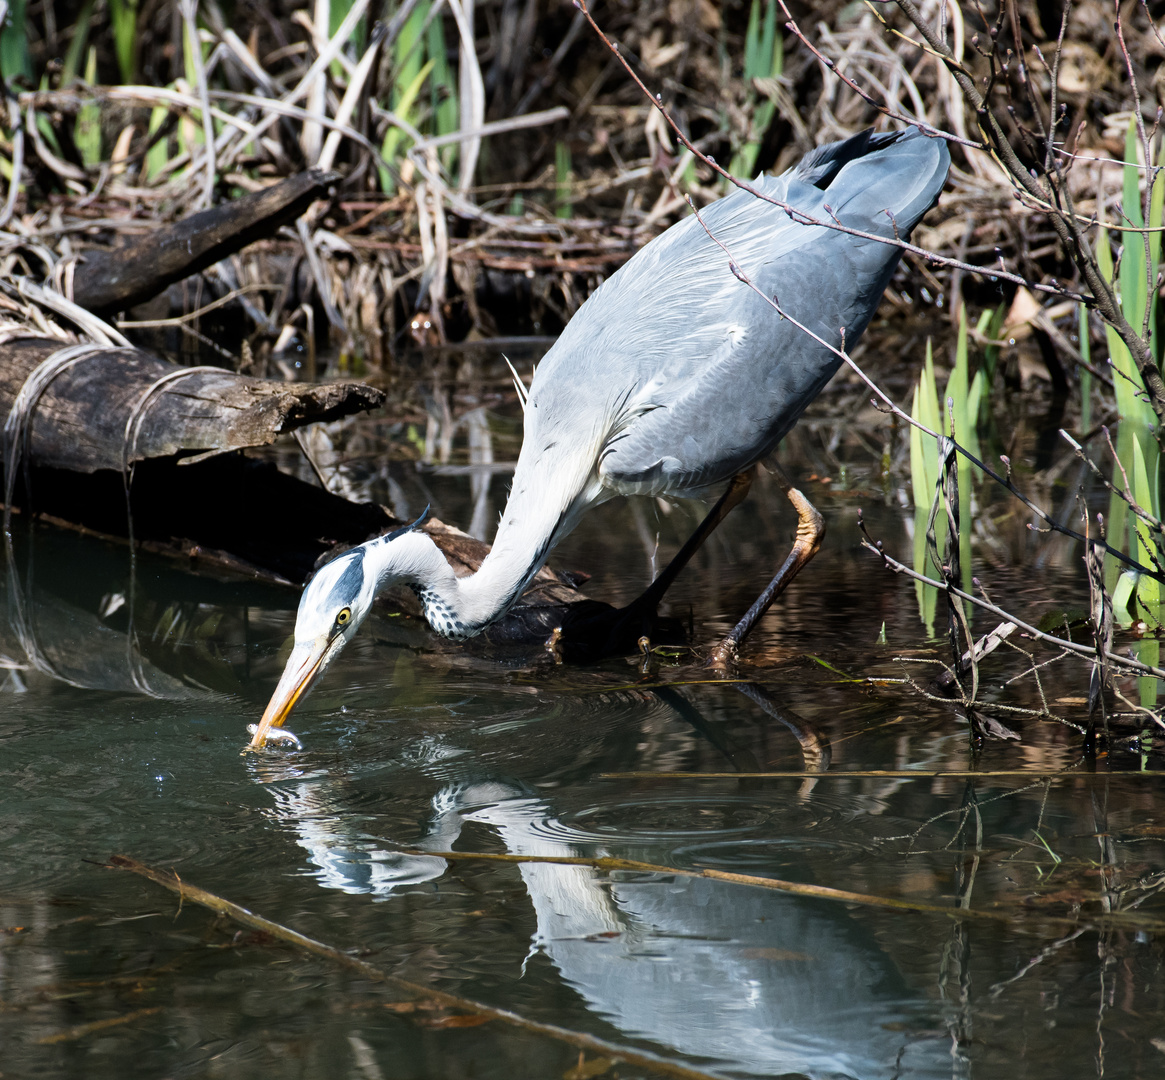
{"x":107,"y":747}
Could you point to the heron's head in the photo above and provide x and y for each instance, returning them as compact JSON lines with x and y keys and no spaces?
{"x":334,"y":603}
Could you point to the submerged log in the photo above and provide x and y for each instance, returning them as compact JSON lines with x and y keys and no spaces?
{"x":107,"y":281}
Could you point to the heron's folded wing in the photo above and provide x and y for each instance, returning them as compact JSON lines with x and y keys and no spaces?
{"x":696,"y":372}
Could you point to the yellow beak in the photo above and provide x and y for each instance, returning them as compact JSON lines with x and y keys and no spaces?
{"x":303,"y":668}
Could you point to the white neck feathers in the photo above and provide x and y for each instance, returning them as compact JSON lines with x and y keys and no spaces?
{"x":456,"y":607}
{"x":554,"y":483}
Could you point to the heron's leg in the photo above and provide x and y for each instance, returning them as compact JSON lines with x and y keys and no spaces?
{"x":733,"y":497}
{"x":810,"y":533}
{"x":615,"y":632}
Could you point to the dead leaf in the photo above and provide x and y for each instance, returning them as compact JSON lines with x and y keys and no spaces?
{"x":1024,"y":310}
{"x":656,"y":55}
{"x":424,"y":1005}
{"x":1081,"y":68}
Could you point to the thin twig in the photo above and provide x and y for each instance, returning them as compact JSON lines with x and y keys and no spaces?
{"x":876,"y":774}
{"x":1133,"y":505}
{"x":608,"y":864}
{"x":991,"y":273}
{"x":1133,"y":666}
{"x":249,"y":919}
{"x":178,"y":320}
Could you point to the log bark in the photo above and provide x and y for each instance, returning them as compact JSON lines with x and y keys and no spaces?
{"x":108,"y":281}
{"x":80,"y":422}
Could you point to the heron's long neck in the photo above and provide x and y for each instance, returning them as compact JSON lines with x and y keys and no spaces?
{"x":555,"y":482}
{"x":462,"y":607}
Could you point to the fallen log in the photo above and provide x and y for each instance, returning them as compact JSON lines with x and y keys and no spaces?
{"x":115,"y":279}
{"x":195,"y":496}
{"x":79,"y":422}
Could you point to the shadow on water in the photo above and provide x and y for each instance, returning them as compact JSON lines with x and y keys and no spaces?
{"x":122,"y":713}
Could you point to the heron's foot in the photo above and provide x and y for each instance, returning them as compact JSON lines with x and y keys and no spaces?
{"x":723,"y":657}
{"x":553,"y":644}
{"x":631,"y":629}
{"x":645,"y":658}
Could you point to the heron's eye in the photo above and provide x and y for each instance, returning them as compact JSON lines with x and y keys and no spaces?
{"x":343,"y":617}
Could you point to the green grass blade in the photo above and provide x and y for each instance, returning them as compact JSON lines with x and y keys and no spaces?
{"x":927,"y":595}
{"x":407,"y":53}
{"x":158,"y":153}
{"x":1131,"y":274}
{"x":777,"y":63}
{"x":752,"y":54}
{"x":1149,"y":652}
{"x":443,"y":88}
{"x":1126,"y":379}
{"x":337,"y":13}
{"x":1156,"y":215}
{"x":1117,"y":522}
{"x":1148,"y":588}
{"x":123,"y":18}
{"x":957,"y":385}
{"x":767,"y":38}
{"x":87,"y":133}
{"x":78,"y":45}
{"x":14,"y":59}
{"x":394,"y":137}
{"x":917,"y":455}
{"x":565,"y":207}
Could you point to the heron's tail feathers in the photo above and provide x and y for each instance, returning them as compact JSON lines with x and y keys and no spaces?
{"x":871,"y":175}
{"x":820,"y":166}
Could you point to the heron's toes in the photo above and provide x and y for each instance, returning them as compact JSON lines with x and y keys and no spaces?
{"x":723,"y":657}
{"x":553,"y":644}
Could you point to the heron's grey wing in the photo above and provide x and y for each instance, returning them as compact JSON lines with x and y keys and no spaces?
{"x":696,"y":374}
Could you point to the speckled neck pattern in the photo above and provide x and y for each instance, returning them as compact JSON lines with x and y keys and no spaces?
{"x":441,"y":618}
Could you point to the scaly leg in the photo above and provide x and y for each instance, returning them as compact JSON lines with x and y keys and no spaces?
{"x":810,"y":533}
{"x":733,"y":497}
{"x":617,"y":631}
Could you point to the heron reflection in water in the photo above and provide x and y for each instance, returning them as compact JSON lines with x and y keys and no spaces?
{"x":752,"y":980}
{"x":674,"y":379}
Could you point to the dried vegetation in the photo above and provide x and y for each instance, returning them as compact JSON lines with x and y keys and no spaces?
{"x":490,"y":177}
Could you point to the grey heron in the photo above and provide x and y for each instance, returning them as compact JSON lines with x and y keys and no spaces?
{"x":673,"y":379}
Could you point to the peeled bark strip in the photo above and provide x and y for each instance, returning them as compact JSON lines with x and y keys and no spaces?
{"x":109,"y":281}
{"x":80,"y":422}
